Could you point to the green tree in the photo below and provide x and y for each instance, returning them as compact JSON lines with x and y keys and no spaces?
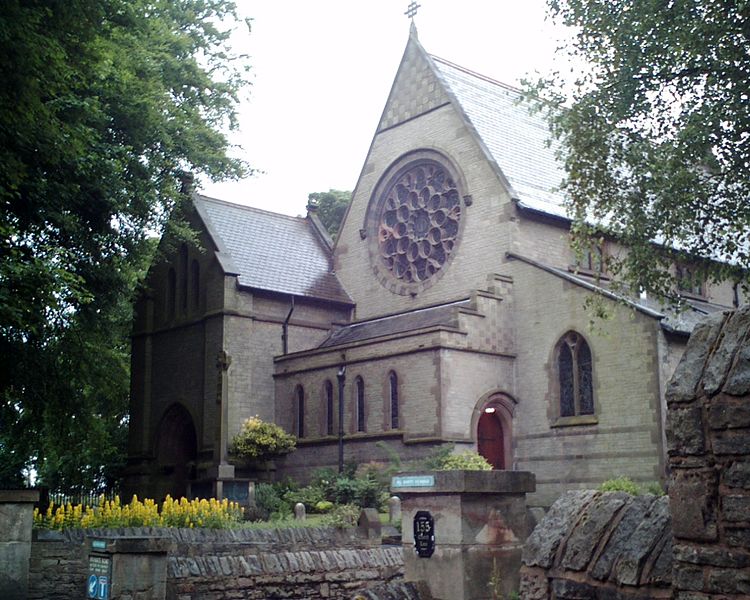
{"x":654,"y":135}
{"x":104,"y":104}
{"x":332,"y":207}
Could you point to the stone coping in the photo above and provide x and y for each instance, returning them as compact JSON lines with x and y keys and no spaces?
{"x":18,"y":496}
{"x":130,"y":544}
{"x":471,"y":482}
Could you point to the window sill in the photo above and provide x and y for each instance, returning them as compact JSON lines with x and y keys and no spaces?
{"x":576,"y":420}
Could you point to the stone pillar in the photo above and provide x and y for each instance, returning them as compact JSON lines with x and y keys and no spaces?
{"x":708,"y":437}
{"x":127,"y":567}
{"x":16,"y":521}
{"x":479,"y":530}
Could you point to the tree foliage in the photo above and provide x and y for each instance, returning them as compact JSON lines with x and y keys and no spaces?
{"x":104,"y":104}
{"x":332,"y":207}
{"x":656,"y":136}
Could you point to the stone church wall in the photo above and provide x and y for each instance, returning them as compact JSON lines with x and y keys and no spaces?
{"x":624,"y":437}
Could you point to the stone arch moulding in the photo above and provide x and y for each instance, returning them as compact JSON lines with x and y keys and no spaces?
{"x":493,"y":416}
{"x":415,"y":220}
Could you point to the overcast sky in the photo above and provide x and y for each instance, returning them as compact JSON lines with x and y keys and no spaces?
{"x":322,"y":71}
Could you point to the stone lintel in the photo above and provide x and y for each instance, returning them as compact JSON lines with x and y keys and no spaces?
{"x":18,"y":496}
{"x":131,"y":544}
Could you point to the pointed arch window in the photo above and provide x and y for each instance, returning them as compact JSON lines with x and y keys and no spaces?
{"x":329,"y":407}
{"x":359,"y":387}
{"x":300,"y":395}
{"x":393,"y":394}
{"x":574,"y":367}
{"x":195,"y":280}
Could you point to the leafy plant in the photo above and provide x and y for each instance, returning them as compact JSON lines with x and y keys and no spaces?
{"x":343,"y":516}
{"x":466,"y":461}
{"x":258,"y":439}
{"x":620,"y":484}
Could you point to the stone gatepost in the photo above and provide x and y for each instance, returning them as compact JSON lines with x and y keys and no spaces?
{"x":127,"y":567}
{"x":16,"y":521}
{"x":463,"y":531}
{"x":708,"y":436}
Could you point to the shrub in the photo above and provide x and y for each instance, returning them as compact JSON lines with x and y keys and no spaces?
{"x":323,"y":506}
{"x":270,"y":501}
{"x":215,"y":514}
{"x":466,"y":461}
{"x":258,"y":439}
{"x":343,"y":516}
{"x":620,"y":484}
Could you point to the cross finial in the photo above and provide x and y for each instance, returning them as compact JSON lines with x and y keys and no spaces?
{"x":412,"y":9}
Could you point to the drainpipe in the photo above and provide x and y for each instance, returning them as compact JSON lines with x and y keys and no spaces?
{"x":285,"y":329}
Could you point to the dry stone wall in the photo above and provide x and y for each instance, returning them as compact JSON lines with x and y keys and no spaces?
{"x":600,"y":545}
{"x":242,"y":563}
{"x":708,"y":439}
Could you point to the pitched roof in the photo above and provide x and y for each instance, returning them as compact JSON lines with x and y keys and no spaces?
{"x":681,"y":323}
{"x":445,"y":315}
{"x":271,"y":251}
{"x":517,"y":141}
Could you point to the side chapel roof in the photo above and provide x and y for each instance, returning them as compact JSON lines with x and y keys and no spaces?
{"x":270,"y":251}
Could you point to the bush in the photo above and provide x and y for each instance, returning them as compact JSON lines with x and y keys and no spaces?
{"x":466,"y":461}
{"x":214,"y":514}
{"x":270,"y":501}
{"x":343,"y":516}
{"x":323,"y":506}
{"x":625,"y":484}
{"x":258,"y":439}
{"x":620,"y":484}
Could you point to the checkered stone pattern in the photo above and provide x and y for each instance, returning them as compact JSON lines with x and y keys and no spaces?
{"x":416,"y":91}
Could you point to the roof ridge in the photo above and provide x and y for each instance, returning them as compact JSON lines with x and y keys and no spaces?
{"x":477,"y":75}
{"x":249,"y":208}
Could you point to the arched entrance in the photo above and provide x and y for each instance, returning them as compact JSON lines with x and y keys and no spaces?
{"x":494,"y":430}
{"x":490,"y":442}
{"x":176,"y":451}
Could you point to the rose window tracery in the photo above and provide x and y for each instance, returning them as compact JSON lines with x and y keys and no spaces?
{"x":419,"y":222}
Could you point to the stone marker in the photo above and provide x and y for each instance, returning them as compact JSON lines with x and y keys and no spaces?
{"x":299,"y":512}
{"x":369,"y":523}
{"x":394,"y":510}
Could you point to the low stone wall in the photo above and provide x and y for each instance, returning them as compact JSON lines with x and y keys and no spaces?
{"x":241,"y":563}
{"x":600,"y":545}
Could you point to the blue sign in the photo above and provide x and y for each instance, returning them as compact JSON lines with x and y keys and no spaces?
{"x":92,"y":586}
{"x":410,"y":481}
{"x":103,"y":588}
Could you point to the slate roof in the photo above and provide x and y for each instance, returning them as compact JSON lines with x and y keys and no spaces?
{"x":445,"y":315}
{"x":516,"y":140}
{"x":271,"y":251}
{"x":675,"y":322}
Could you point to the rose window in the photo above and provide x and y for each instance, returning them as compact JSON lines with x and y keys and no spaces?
{"x":419,"y":223}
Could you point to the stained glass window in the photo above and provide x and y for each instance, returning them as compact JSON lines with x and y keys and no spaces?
{"x":360,"y":388}
{"x":393,"y":385}
{"x":300,"y":412}
{"x":574,"y":365}
{"x":329,"y":407}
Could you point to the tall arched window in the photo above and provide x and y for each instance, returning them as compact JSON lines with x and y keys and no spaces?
{"x":574,"y":370}
{"x":184,"y":277}
{"x":300,"y":394}
{"x":393,"y":394}
{"x":171,"y":293}
{"x":359,"y":386}
{"x":329,"y":407}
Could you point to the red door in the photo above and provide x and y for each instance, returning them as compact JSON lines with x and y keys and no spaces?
{"x":490,"y":440}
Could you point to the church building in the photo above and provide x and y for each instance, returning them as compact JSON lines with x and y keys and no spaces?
{"x":450,"y":309}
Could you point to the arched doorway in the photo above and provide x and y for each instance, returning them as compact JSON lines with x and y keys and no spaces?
{"x":494,"y":429}
{"x":176,"y":451}
{"x":490,"y":442}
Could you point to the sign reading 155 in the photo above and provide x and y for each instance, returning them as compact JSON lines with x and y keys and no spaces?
{"x":424,"y":534}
